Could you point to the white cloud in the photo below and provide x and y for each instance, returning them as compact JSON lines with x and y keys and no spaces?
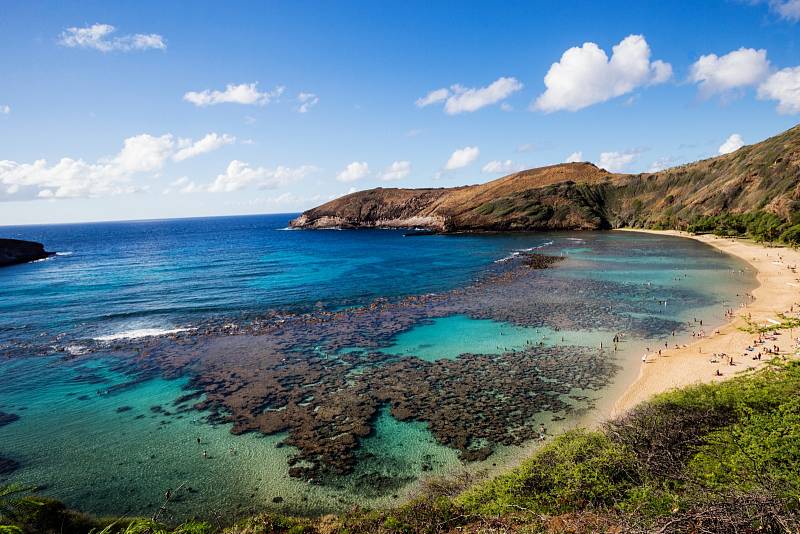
{"x":731,"y":144}
{"x":783,"y":86}
{"x":245,"y":93}
{"x":438,"y":95}
{"x":470,"y":99}
{"x":460,"y":99}
{"x":501,"y":167}
{"x":354,"y":171}
{"x":307,"y":101}
{"x":239,"y":175}
{"x":144,"y":153}
{"x":396,"y":171}
{"x":575,"y":157}
{"x":786,"y":9}
{"x":585,"y":76}
{"x":71,"y":178}
{"x":5,"y":109}
{"x":617,"y":161}
{"x":98,"y":37}
{"x":208,"y":143}
{"x":462,"y":157}
{"x":662,"y":163}
{"x":735,"y":70}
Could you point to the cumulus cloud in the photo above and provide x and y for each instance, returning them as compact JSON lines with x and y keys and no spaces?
{"x":585,"y":75}
{"x":98,"y":37}
{"x":462,"y":157}
{"x":307,"y":101}
{"x":142,"y":153}
{"x":575,"y":157}
{"x":783,"y":86}
{"x":617,"y":161}
{"x":244,"y":93}
{"x":76,"y":178}
{"x":239,"y":175}
{"x":209,"y":143}
{"x":734,"y":70}
{"x":354,"y":171}
{"x":731,"y":144}
{"x":501,"y":167}
{"x":396,"y":171}
{"x":5,"y":109}
{"x":459,"y":99}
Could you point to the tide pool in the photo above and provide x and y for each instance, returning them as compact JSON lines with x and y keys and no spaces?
{"x":449,"y":337}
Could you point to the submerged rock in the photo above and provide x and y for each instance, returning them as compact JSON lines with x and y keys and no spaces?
{"x":7,"y":418}
{"x":8,"y":466}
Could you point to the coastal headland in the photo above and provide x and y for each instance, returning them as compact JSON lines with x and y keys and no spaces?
{"x":16,"y":251}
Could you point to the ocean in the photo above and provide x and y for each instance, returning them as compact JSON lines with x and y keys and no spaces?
{"x":256,"y":367}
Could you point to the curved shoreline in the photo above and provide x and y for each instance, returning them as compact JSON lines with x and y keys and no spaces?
{"x":777,"y":292}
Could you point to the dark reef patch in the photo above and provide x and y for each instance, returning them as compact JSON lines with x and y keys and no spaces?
{"x":8,"y":466}
{"x":7,"y":418}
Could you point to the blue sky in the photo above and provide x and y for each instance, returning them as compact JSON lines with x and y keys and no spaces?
{"x":135,"y":110}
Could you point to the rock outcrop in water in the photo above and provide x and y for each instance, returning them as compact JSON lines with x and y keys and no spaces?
{"x":575,"y":196}
{"x":14,"y":251}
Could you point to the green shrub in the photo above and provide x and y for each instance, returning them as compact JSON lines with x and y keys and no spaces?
{"x":577,"y":470}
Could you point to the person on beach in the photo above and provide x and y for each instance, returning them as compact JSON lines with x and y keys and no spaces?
{"x":542,"y":432}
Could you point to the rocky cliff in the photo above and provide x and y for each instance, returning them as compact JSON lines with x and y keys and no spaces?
{"x":764,"y":176}
{"x":14,"y":251}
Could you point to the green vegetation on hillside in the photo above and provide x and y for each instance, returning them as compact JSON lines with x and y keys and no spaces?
{"x":721,"y":457}
{"x":761,"y":226}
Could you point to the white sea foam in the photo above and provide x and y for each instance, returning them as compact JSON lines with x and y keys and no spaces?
{"x":141,"y":332}
{"x":76,"y":350}
{"x":517,"y":252}
{"x":68,"y":253}
{"x":288,"y":229}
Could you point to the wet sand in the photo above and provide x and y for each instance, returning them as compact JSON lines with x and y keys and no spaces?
{"x":778,"y":291}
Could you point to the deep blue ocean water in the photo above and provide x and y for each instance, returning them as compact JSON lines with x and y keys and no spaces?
{"x":132,"y":278}
{"x":115,"y":277}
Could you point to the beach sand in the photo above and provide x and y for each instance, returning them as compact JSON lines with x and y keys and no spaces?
{"x":778,"y":292}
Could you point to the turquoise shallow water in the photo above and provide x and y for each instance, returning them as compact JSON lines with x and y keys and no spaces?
{"x":452,"y":336}
{"x":73,"y":440}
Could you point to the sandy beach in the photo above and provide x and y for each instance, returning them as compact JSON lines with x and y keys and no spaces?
{"x":778,"y":292}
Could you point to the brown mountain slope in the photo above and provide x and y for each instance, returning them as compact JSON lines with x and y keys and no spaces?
{"x":763,"y":176}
